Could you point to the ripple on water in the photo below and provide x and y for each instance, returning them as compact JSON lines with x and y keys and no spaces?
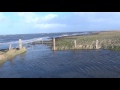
{"x":64,"y":64}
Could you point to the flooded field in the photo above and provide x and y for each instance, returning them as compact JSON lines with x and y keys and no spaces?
{"x":41,"y":62}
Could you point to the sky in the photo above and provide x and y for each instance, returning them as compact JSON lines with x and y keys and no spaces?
{"x":50,"y":22}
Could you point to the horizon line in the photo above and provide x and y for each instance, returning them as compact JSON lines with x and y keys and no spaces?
{"x":60,"y":32}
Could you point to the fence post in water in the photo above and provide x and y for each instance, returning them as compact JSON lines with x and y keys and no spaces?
{"x":10,"y":47}
{"x":53,"y":43}
{"x":97,"y":44}
{"x":20,"y":44}
{"x":74,"y":44}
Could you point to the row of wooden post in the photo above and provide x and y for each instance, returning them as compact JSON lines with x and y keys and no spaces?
{"x":97,"y":47}
{"x":20,"y":45}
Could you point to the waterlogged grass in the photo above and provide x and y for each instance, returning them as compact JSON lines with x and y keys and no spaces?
{"x":115,"y":48}
{"x":107,"y":40}
{"x":11,"y":53}
{"x":64,"y":44}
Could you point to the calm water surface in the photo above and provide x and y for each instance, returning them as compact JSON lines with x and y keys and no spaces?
{"x":41,"y":62}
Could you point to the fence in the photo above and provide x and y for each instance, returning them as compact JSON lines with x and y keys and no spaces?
{"x":67,"y":43}
{"x":19,"y":46}
{"x":87,"y":42}
{"x":25,"y":43}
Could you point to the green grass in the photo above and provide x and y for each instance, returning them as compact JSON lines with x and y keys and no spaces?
{"x":106,"y":40}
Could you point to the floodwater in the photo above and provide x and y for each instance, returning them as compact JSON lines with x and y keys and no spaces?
{"x":41,"y":62}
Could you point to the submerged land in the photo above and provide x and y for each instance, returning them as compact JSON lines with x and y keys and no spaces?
{"x":8,"y":54}
{"x":109,"y":40}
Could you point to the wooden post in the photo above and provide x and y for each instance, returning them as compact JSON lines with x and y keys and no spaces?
{"x":53,"y":43}
{"x":10,"y":47}
{"x":74,"y":43}
{"x":96,"y":44}
{"x":20,"y":44}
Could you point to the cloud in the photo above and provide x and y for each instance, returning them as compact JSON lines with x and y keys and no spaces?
{"x":99,"y":17}
{"x":30,"y":17}
{"x":54,"y":22}
{"x":41,"y":22}
{"x":2,"y":17}
{"x":44,"y":26}
{"x":49,"y":17}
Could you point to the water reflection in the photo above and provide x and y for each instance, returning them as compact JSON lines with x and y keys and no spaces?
{"x":1,"y":63}
{"x":11,"y":60}
{"x":54,"y":53}
{"x":22,"y":57}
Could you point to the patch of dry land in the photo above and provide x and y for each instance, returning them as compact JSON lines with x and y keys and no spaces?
{"x":107,"y":40}
{"x":5,"y":55}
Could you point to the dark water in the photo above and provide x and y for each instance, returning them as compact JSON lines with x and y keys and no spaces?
{"x":44,"y":63}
